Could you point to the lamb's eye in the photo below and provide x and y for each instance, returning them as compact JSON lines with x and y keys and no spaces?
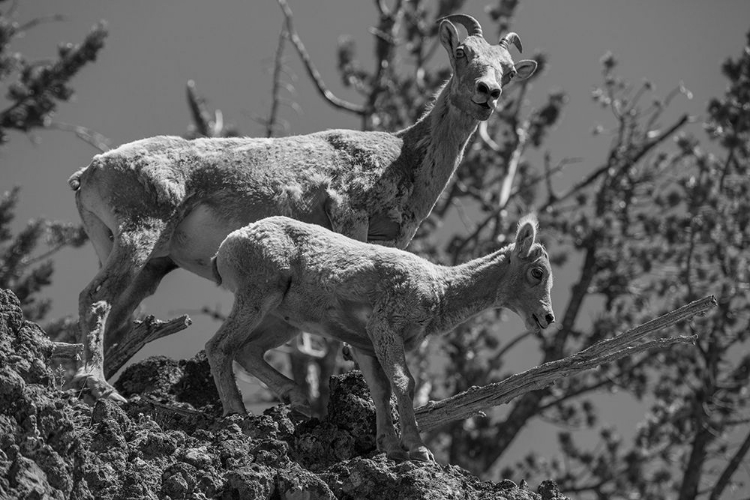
{"x":537,"y":273}
{"x":460,"y":52}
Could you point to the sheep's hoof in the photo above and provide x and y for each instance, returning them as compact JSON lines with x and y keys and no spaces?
{"x":94,"y":381}
{"x":421,"y":454}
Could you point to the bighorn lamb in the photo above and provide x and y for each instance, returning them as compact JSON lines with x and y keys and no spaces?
{"x":381,"y":301}
{"x":165,"y":202}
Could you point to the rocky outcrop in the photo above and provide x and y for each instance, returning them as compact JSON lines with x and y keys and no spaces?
{"x":169,"y":440}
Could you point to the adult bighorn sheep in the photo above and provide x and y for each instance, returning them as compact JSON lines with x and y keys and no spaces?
{"x":157,"y":204}
{"x":381,"y":301}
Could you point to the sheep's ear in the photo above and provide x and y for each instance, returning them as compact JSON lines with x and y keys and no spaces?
{"x":526,"y":235}
{"x":524,"y":69}
{"x":449,"y":39}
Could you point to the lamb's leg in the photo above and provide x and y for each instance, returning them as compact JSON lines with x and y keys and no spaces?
{"x":129,"y":254}
{"x":389,"y":348}
{"x":380,"y":390}
{"x":271,"y":333}
{"x":250,"y":307}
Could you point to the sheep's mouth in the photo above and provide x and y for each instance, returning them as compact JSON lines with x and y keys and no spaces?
{"x":536,"y":320}
{"x":484,"y":105}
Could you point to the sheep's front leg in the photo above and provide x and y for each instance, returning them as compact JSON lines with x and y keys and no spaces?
{"x":380,"y":390}
{"x":389,"y":348}
{"x":249,"y":309}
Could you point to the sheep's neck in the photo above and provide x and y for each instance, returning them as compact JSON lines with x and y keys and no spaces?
{"x":471,"y":288}
{"x":436,"y":143}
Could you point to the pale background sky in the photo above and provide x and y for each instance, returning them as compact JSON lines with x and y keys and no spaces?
{"x":137,"y":89}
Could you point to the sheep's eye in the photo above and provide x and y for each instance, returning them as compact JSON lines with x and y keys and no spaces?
{"x":511,"y":75}
{"x":537,"y":273}
{"x":460,"y":52}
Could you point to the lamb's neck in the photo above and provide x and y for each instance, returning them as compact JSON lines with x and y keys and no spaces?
{"x":435,"y":146}
{"x":471,"y":288}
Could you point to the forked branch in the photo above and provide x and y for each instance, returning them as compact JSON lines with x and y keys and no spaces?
{"x":474,"y":401}
{"x":310,"y":67}
{"x":145,"y":331}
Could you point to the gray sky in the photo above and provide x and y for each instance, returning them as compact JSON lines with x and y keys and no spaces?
{"x":137,"y":89}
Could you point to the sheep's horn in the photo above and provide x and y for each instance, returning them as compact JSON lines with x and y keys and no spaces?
{"x":511,"y":38}
{"x":468,"y":22}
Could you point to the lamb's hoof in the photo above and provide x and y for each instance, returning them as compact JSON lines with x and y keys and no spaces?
{"x":422,"y":454}
{"x":398,"y":455}
{"x":97,"y":385}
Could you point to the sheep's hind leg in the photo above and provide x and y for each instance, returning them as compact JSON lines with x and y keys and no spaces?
{"x":380,"y":390}
{"x":273,"y":332}
{"x":250,"y":307}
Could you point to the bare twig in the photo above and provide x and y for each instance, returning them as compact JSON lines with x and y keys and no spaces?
{"x":143,"y":332}
{"x":515,"y":158}
{"x":473,"y":401}
{"x":87,"y":135}
{"x":278,"y":62}
{"x":730,"y":469}
{"x":40,"y":20}
{"x":173,"y":409}
{"x":312,"y":70}
{"x":197,"y":105}
{"x":631,"y":161}
{"x":507,"y":347}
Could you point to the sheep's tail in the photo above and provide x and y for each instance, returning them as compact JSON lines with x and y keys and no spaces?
{"x":215,"y":271}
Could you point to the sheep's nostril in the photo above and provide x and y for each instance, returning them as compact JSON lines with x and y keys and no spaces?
{"x":493,"y":92}
{"x":550,"y":318}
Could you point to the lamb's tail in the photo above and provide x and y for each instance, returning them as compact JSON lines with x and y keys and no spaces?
{"x":215,"y":271}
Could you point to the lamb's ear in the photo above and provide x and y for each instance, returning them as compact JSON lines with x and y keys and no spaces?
{"x":526,"y":235}
{"x":449,"y":39}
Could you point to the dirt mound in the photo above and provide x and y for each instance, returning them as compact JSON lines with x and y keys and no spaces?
{"x":168,"y":440}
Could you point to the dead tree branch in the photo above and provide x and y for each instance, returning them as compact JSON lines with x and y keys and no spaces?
{"x":730,"y":469}
{"x":311,"y":69}
{"x":143,"y":332}
{"x":278,"y":63}
{"x":474,"y":401}
{"x":87,"y":135}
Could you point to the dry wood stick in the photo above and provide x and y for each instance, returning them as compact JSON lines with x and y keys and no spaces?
{"x":143,"y":332}
{"x":475,"y":400}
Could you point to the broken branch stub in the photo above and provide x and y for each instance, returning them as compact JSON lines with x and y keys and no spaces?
{"x":143,"y":332}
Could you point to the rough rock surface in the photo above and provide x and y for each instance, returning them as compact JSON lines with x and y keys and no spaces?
{"x":169,"y":441}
